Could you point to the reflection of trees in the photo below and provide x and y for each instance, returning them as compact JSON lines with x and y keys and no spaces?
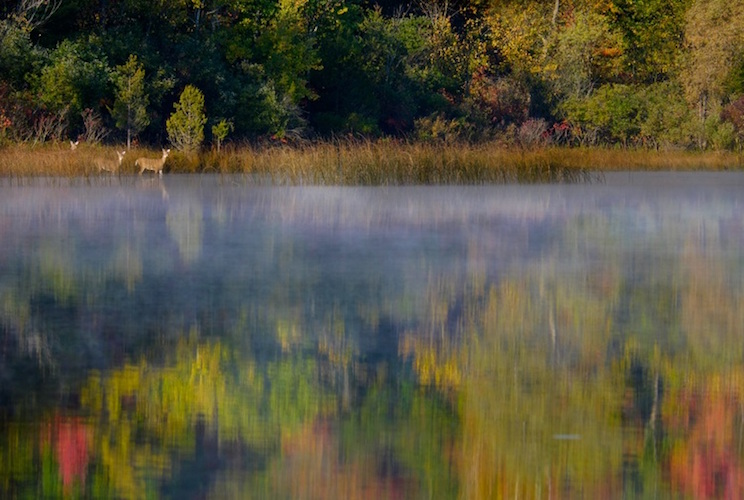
{"x":705,"y":460}
{"x":569,"y":377}
{"x":710,"y":303}
{"x":568,"y":359}
{"x":58,"y":447}
{"x":185,"y":220}
{"x":200,"y":398}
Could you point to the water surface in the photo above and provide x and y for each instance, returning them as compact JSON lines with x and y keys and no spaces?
{"x":207,"y":337}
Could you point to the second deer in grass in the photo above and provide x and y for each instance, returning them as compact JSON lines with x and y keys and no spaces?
{"x":152,"y":164}
{"x":108,"y":164}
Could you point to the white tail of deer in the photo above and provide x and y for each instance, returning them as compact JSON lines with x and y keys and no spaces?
{"x":74,"y":145}
{"x":152,"y":164}
{"x":110,"y":165}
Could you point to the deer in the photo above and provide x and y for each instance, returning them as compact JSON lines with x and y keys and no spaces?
{"x":152,"y":164}
{"x":74,"y":145}
{"x":108,"y":164}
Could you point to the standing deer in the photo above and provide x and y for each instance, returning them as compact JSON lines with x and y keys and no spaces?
{"x":152,"y":164}
{"x":108,"y":164}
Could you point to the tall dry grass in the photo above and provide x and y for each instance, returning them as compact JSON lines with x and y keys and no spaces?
{"x":371,"y":162}
{"x":393,"y":162}
{"x":59,"y":160}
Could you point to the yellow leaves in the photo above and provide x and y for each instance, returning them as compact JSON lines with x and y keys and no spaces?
{"x":334,"y":343}
{"x":714,"y":34}
{"x":520,"y":35}
{"x":162,"y":402}
{"x":435,"y":365}
{"x":291,"y":6}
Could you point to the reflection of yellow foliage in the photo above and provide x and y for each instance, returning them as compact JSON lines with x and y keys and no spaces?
{"x":288,"y":334}
{"x":140,"y":404}
{"x":160,"y":402}
{"x":437,"y":365}
{"x":334,"y":343}
{"x":516,"y":405}
{"x":711,"y":312}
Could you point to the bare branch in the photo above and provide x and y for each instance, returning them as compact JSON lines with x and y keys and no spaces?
{"x":37,"y":12}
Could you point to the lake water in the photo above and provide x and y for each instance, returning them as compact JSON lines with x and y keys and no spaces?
{"x":208,"y":337}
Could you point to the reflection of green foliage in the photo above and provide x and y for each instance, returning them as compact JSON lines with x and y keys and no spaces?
{"x":185,"y":221}
{"x":57,"y":269}
{"x":419,"y":429}
{"x":17,"y":452}
{"x":293,"y":398}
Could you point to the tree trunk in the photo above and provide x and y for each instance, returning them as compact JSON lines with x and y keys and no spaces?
{"x":555,"y":11}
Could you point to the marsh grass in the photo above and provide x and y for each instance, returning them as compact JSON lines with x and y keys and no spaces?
{"x":371,"y":162}
{"x":58,"y":160}
{"x":389,"y":162}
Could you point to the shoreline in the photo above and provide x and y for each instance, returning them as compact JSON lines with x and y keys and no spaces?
{"x":372,"y":162}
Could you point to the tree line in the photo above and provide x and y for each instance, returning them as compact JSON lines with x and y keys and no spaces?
{"x":652,"y":73}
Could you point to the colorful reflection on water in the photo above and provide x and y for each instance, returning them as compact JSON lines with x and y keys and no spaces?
{"x":210,"y":337}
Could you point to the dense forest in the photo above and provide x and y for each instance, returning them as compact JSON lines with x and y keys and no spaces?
{"x":648,"y":73}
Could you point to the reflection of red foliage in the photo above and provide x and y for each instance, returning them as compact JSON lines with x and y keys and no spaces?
{"x":71,"y":449}
{"x":707,"y":465}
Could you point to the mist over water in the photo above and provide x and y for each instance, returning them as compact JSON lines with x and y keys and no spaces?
{"x":208,"y":336}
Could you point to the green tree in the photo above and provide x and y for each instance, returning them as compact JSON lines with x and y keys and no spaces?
{"x":186,"y":125}
{"x":17,"y":52}
{"x":220,"y":131}
{"x":652,"y":32}
{"x":287,"y":51}
{"x":584,"y":54}
{"x":130,"y":107}
{"x":520,"y":34}
{"x":340,"y":49}
{"x":613,"y":113}
{"x":75,"y":78}
{"x":666,"y":118}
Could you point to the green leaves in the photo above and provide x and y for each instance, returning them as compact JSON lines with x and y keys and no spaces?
{"x":220,"y":131}
{"x":130,"y":107}
{"x":186,"y":125}
{"x":75,"y":78}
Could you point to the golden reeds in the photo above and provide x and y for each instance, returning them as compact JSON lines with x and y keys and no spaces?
{"x":374,"y":162}
{"x":59,"y":160}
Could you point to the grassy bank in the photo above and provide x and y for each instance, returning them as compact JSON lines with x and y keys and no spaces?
{"x":369,"y":163}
